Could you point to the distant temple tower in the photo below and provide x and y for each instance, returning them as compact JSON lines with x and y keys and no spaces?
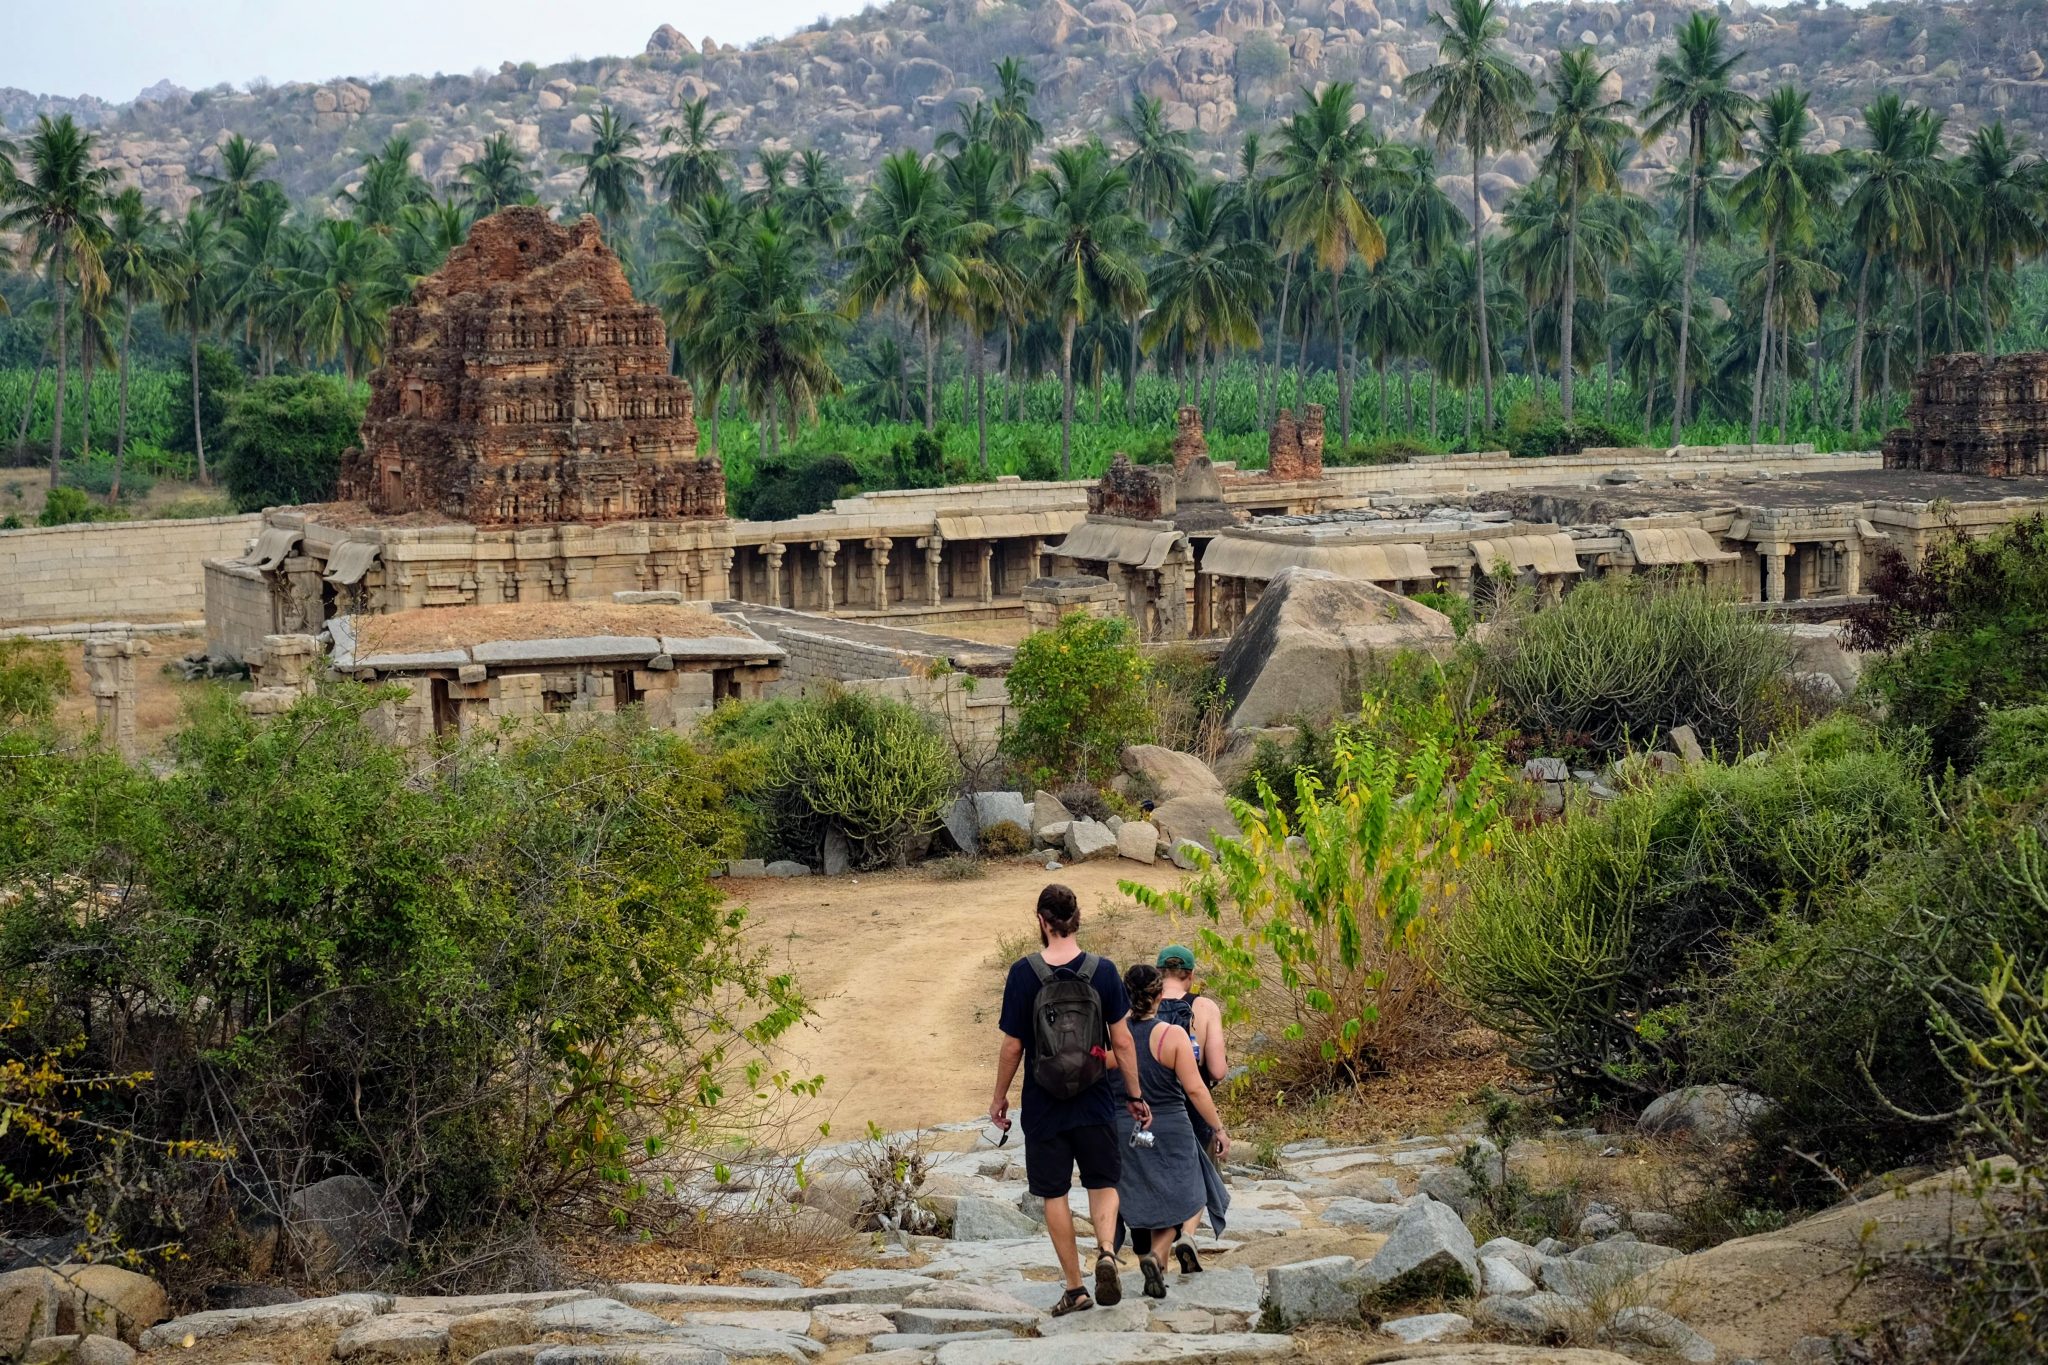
{"x":1975,"y":414}
{"x":524,"y":386}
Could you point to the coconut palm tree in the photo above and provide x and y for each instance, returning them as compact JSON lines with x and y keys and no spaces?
{"x":1211,"y":283}
{"x":388,"y":185}
{"x":817,"y":202}
{"x":1086,"y":247}
{"x":976,"y":182}
{"x":1452,"y":336}
{"x":340,"y":293}
{"x":1646,"y":321}
{"x":195,"y":288}
{"x":909,"y":252}
{"x":1014,"y":132}
{"x":697,"y":166}
{"x":1157,"y":165}
{"x":135,"y":259}
{"x":1325,"y":161}
{"x":259,"y":246}
{"x":232,"y":192}
{"x":58,"y":210}
{"x":691,"y":259}
{"x":1694,"y":90}
{"x":1477,"y":98}
{"x":1580,"y":134}
{"x":427,"y":233}
{"x":497,"y":179}
{"x":612,"y":177}
{"x":772,"y":331}
{"x":1780,"y":199}
{"x":2002,"y":200}
{"x":1889,"y":212}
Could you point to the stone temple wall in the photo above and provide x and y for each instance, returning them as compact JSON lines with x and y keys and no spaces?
{"x":1973,"y":414}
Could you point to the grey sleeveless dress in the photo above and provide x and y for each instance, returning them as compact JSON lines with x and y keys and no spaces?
{"x":1170,"y":1182}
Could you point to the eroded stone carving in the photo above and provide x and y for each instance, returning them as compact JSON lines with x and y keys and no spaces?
{"x":1973,"y":414}
{"x":525,"y":386}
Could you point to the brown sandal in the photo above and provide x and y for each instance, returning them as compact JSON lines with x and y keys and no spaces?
{"x":1073,"y":1301}
{"x":1109,"y":1289}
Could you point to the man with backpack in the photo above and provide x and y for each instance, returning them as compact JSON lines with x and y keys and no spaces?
{"x":1066,"y":1021}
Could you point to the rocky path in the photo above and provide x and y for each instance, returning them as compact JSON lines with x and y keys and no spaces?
{"x":1343,"y":1253}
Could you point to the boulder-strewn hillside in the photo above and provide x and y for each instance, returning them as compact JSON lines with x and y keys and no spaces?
{"x":891,"y":76}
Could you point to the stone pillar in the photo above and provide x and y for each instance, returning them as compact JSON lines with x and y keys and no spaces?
{"x":1852,"y":566}
{"x":773,"y":552}
{"x":725,"y":563}
{"x":828,"y":563}
{"x":880,"y":546}
{"x":988,"y":587}
{"x":1205,"y":605}
{"x":110,"y":675}
{"x":934,"y":559}
{"x":1173,"y":599}
{"x":1774,"y":576}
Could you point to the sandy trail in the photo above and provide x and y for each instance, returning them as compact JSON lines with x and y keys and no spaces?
{"x":902,"y":970}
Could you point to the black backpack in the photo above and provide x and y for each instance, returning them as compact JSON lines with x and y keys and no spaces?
{"x":1070,"y":1044}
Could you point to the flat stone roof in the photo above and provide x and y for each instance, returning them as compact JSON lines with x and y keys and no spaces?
{"x":1606,"y":502}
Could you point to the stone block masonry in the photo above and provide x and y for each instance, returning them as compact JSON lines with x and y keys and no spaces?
{"x":114,"y":570}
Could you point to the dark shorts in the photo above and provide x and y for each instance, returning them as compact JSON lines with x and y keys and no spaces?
{"x":1049,"y":1161}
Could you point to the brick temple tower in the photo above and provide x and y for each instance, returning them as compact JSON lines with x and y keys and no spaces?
{"x":525,"y":386}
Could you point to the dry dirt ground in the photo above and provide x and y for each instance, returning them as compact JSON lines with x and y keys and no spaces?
{"x":905,"y":973}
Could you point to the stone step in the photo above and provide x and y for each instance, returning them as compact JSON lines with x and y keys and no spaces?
{"x":1125,"y":1348}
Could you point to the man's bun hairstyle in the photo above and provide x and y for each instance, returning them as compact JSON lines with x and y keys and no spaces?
{"x":1060,"y":909}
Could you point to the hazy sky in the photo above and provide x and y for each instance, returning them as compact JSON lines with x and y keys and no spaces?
{"x":113,"y":48}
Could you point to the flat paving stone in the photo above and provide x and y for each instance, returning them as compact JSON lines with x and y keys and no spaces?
{"x":744,"y":1344}
{"x":598,"y":1318}
{"x":940,"y":1321}
{"x":928,"y":1342}
{"x":629,"y":1353}
{"x":1134,"y":1314}
{"x":462,"y":1305}
{"x":1125,"y":1348}
{"x":767,"y":1320}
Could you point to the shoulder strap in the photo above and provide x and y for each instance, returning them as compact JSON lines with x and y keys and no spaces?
{"x":1037,"y":961}
{"x":1085,"y":965}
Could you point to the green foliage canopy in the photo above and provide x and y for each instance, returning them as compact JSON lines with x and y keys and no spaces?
{"x":285,"y":438}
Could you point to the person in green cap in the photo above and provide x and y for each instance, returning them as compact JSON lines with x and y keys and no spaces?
{"x":1203,"y":1020}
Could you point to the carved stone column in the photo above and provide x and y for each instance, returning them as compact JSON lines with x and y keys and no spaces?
{"x":1774,"y":576}
{"x":828,"y":563}
{"x":725,"y":563}
{"x":773,"y":552}
{"x":880,"y":546}
{"x":988,"y":587}
{"x":1852,"y":566}
{"x":110,"y":674}
{"x":934,"y":560}
{"x":1205,"y":605}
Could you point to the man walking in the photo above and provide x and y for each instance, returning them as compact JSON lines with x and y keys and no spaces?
{"x":1065,"y":1015}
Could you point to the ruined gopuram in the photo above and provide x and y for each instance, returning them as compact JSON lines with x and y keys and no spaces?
{"x":1975,"y":414}
{"x":525,"y":386}
{"x":525,"y":442}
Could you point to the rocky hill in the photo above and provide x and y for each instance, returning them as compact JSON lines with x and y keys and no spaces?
{"x":891,"y":75}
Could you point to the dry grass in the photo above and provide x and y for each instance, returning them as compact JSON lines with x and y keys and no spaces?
{"x":715,"y":1252}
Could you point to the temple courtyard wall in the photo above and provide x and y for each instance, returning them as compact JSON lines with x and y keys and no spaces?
{"x":135,"y":571}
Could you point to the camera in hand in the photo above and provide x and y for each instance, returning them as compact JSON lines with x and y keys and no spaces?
{"x":1141,"y":1137}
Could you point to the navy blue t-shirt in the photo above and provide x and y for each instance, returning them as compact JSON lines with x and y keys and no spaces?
{"x":1044,"y":1115}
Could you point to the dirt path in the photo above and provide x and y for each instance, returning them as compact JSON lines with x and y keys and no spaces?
{"x":905,"y":973}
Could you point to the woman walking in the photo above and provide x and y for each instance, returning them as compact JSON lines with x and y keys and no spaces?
{"x":1203,"y":1020}
{"x":1164,"y":1184}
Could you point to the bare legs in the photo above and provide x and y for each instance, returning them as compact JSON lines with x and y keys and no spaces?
{"x":1059,"y":1223}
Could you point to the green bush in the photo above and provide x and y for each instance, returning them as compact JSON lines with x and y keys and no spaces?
{"x":1585,"y":941}
{"x":285,"y":438}
{"x":876,"y":770}
{"x":1623,"y":659}
{"x":1550,"y":435}
{"x":796,"y":487}
{"x":502,"y":989}
{"x":1077,"y":697}
{"x":1960,"y":635}
{"x":2012,"y":756}
{"x":32,"y":677}
{"x":1827,"y":1015}
{"x":66,"y":505}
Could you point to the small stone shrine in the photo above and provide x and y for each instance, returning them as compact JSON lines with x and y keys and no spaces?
{"x":1975,"y":414}
{"x":525,"y":386}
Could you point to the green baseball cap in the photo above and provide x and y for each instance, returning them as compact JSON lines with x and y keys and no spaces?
{"x":1176,"y":955}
